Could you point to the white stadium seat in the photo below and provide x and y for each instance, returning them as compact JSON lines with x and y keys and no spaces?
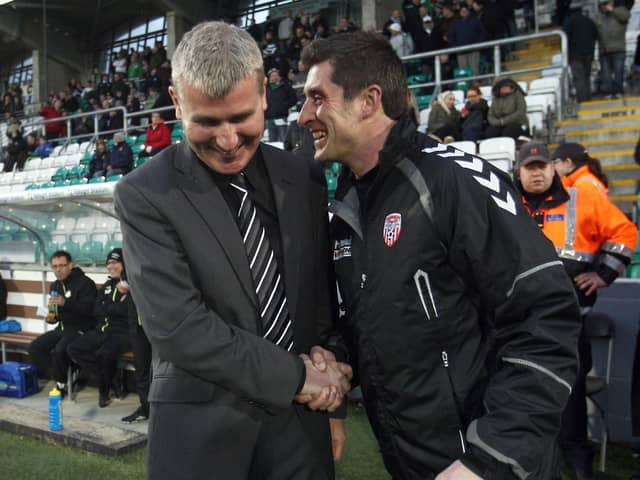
{"x":466,"y":146}
{"x":500,"y":151}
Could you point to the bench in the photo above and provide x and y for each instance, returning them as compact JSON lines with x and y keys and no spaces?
{"x":18,"y":342}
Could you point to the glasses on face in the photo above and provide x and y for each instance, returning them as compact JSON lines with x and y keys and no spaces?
{"x":59,"y":266}
{"x":556,"y":161}
{"x":471,"y":95}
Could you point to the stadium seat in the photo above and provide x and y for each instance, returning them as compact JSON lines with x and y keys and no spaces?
{"x":544,"y":103}
{"x":62,"y":183}
{"x":56,"y":151}
{"x":459,"y":94}
{"x":111,"y":244}
{"x":523,"y":85}
{"x":72,"y":247}
{"x":113,"y":178}
{"x":546,"y":85}
{"x":21,"y":235}
{"x":79,"y":181}
{"x":424,"y":101}
{"x":61,"y":174}
{"x":501,"y":151}
{"x":487,"y":92}
{"x":49,"y":248}
{"x":97,"y":180}
{"x":91,"y":252}
{"x":85,"y":224}
{"x":47,"y":185}
{"x":465,"y":146}
{"x":72,"y":148}
{"x":84,"y":146}
{"x":33,"y":163}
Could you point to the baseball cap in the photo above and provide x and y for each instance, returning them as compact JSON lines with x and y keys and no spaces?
{"x":271,"y":70}
{"x":574,"y":151}
{"x":115,"y":254}
{"x":395,"y":27}
{"x":427,"y":18}
{"x":533,"y":152}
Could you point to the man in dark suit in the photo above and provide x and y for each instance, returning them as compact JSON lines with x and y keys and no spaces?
{"x":207,"y":224}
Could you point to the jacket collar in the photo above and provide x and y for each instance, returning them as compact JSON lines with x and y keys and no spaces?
{"x":202,"y":192}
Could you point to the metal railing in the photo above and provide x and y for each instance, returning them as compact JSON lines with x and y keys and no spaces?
{"x":498,"y":71}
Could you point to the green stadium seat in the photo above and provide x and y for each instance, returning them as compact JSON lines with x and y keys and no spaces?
{"x":111,"y":244}
{"x":86,"y":159}
{"x":5,"y":237}
{"x":424,"y":101}
{"x":21,"y":236}
{"x":47,"y":185}
{"x":49,"y":248}
{"x":141,"y":138}
{"x":131,"y":140}
{"x":113,"y":178}
{"x":462,"y":73}
{"x":91,"y":252}
{"x":79,"y":181}
{"x":75,"y":172}
{"x":110,"y":143}
{"x":60,"y":174}
{"x":633,"y":270}
{"x":140,"y":161}
{"x":32,"y":186}
{"x":72,"y":247}
{"x":62,"y":183}
{"x":97,"y":180}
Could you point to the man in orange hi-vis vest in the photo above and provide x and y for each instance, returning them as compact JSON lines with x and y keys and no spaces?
{"x":595,"y":241}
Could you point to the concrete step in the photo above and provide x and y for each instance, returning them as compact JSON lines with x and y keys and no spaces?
{"x":626,"y":186}
{"x":526,"y":76}
{"x":605,"y":103}
{"x":594,"y":133}
{"x":610,"y":112}
{"x":595,"y":147}
{"x":528,"y":64}
{"x":625,"y":203}
{"x":567,"y":126}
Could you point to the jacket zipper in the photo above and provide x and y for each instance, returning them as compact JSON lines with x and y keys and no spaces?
{"x":421,"y":280}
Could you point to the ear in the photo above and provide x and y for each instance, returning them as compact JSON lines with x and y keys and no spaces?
{"x":176,"y":102}
{"x":371,"y":100}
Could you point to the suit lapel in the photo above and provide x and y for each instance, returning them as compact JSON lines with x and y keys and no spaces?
{"x":289,"y":200}
{"x":202,"y":192}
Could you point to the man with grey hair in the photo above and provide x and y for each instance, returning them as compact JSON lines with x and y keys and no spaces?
{"x":120,"y":159}
{"x":242,"y":287}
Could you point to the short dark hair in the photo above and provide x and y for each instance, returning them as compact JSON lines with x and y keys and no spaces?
{"x":61,"y":253}
{"x":360,"y":59}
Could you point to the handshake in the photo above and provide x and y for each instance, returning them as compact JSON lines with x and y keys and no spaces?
{"x":326,"y":381}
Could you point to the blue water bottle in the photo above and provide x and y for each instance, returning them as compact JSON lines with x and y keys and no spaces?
{"x":55,"y":410}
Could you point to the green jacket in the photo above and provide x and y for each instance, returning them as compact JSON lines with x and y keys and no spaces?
{"x":508,"y":109}
{"x":438,"y":118}
{"x":611,"y":29}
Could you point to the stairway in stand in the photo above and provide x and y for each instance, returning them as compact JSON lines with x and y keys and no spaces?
{"x":609,"y":129}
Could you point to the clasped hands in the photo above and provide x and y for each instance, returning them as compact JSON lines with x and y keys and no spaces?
{"x":326,"y":381}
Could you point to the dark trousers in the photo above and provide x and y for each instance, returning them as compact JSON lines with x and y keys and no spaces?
{"x":142,"y":362}
{"x":578,"y":454}
{"x":513,"y":130}
{"x":50,"y":349}
{"x":447,"y":131}
{"x":218,"y":441}
{"x":581,"y":72}
{"x":99,"y":352}
{"x":612,"y":73}
{"x":635,"y":390}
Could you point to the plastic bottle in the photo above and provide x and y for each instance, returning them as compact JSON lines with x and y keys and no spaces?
{"x":55,"y":410}
{"x":53,"y":309}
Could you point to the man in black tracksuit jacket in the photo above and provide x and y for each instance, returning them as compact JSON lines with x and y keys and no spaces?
{"x":461,"y":320}
{"x":98,"y":350}
{"x":74,"y":294}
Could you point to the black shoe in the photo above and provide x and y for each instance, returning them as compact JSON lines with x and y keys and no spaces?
{"x":103,"y":401}
{"x":139,"y":415}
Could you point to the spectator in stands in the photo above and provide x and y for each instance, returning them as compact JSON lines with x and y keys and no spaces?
{"x":119,"y":85}
{"x":3,"y":299}
{"x":134,"y":71}
{"x":271,"y":54}
{"x":467,"y":30}
{"x":32,"y":143}
{"x":508,"y":111}
{"x":582,"y":34}
{"x":82,"y":125}
{"x":412,"y":18}
{"x":54,"y":129}
{"x":44,"y":148}
{"x":612,"y":22}
{"x":133,"y":106}
{"x":401,"y":42}
{"x":321,"y":31}
{"x":280,"y":98}
{"x":600,"y":246}
{"x":98,"y":163}
{"x":254,"y":30}
{"x":104,"y":87}
{"x":158,"y":136}
{"x":73,"y":294}
{"x":396,"y":17}
{"x":16,"y":151}
{"x":449,"y":17}
{"x":636,"y":153}
{"x":141,"y":356}
{"x":474,"y":115}
{"x":294,"y":47}
{"x":120,"y":159}
{"x":298,"y":78}
{"x":493,"y":18}
{"x":345,"y":25}
{"x":285,"y":30}
{"x":69,"y":102}
{"x":98,"y":349}
{"x":120,"y":63}
{"x":444,"y":119}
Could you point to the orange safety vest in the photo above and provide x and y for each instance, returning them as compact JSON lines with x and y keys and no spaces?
{"x":581,"y":175}
{"x":589,"y":226}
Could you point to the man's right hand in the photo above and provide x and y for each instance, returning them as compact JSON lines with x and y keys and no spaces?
{"x":322,"y":390}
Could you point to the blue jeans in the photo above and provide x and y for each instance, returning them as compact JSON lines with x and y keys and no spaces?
{"x":612,"y":72}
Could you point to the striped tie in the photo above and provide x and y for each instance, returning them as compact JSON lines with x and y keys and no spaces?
{"x":267,"y":281}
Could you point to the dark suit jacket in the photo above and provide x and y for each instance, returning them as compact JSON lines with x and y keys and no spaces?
{"x":192,"y":285}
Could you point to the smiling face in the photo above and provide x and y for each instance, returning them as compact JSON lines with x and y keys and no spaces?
{"x":224,"y":132}
{"x":333,"y":121}
{"x":114,"y":268}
